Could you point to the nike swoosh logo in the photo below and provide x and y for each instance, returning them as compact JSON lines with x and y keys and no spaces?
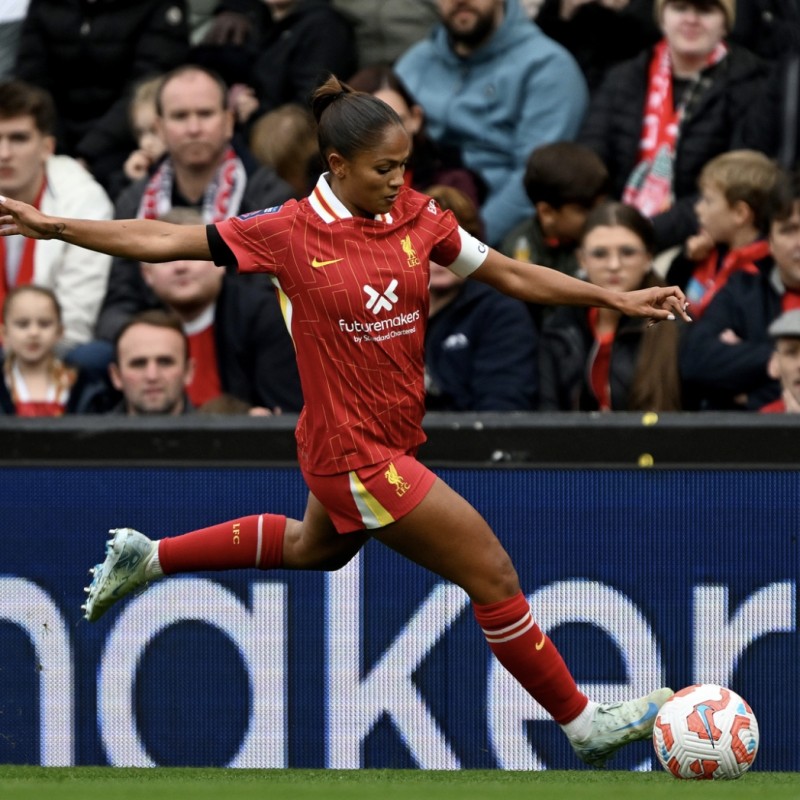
{"x":652,"y":710}
{"x":540,"y":645}
{"x":317,"y":264}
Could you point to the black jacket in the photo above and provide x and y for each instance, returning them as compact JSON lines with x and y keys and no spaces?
{"x":480,"y":353}
{"x":127,"y":293}
{"x":89,"y":55}
{"x":566,"y":351}
{"x":255,"y":354}
{"x":613,"y":128}
{"x":720,"y":372}
{"x":299,"y":52}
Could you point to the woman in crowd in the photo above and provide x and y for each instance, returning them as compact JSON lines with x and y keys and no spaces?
{"x":598,"y":358}
{"x":658,"y":118}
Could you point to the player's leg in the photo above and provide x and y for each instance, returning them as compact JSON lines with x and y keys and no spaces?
{"x":448,"y":536}
{"x":263,"y":541}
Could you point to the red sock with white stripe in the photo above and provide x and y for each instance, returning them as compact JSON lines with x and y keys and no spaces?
{"x":530,"y":656}
{"x":255,"y":541}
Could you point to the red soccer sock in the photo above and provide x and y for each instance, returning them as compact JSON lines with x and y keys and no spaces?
{"x":255,"y":541}
{"x":530,"y":656}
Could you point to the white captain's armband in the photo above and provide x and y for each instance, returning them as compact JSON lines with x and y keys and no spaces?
{"x":473,"y":254}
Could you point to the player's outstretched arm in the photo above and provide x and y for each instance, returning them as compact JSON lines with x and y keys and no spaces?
{"x":537,"y":284}
{"x":138,"y":239}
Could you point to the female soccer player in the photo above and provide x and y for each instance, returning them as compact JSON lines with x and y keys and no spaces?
{"x":350,"y":264}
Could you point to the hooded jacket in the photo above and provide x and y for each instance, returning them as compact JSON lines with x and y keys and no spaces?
{"x":517,"y":91}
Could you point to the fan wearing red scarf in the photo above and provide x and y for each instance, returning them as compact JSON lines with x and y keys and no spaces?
{"x":658,"y":118}
{"x":732,"y":212}
{"x":55,"y":184}
{"x":725,"y":355}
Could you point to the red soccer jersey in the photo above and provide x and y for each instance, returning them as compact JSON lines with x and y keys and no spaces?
{"x":354,"y":295}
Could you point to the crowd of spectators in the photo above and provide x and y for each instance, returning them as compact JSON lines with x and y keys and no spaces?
{"x":627,"y":142}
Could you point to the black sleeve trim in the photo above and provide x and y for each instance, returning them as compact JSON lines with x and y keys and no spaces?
{"x":222,"y":254}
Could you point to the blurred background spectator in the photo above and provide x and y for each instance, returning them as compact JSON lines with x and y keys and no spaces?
{"x":151,"y":368}
{"x":150,"y":145}
{"x":202,"y":170}
{"x":596,"y":359}
{"x":480,"y":345}
{"x":495,"y":87}
{"x":285,"y":139}
{"x":735,"y":193}
{"x":599,"y":33}
{"x":56,"y":185}
{"x":658,"y":118}
{"x":564,"y":181}
{"x":384,"y":31}
{"x":35,"y":381}
{"x":89,"y":56}
{"x":292,"y":46}
{"x":784,"y":364}
{"x":725,"y":355}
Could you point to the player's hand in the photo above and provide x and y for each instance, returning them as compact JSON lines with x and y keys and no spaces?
{"x":20,"y":218}
{"x":656,"y":303}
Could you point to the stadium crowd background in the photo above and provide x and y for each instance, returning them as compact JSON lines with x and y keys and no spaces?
{"x":527,"y":119}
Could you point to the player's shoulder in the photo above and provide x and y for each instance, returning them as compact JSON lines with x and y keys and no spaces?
{"x":287,"y":209}
{"x":413,"y":205}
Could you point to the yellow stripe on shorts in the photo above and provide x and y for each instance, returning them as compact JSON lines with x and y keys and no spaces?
{"x":373,"y":514}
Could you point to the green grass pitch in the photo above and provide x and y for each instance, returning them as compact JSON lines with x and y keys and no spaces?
{"x":109,"y":783}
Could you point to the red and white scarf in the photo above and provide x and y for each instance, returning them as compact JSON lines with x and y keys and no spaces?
{"x":53,"y":404}
{"x":649,"y":187}
{"x":222,"y":197}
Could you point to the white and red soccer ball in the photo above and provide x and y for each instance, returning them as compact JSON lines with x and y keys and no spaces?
{"x":706,"y":732}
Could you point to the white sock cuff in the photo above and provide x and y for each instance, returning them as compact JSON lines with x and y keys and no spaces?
{"x":580,"y":727}
{"x":152,"y":569}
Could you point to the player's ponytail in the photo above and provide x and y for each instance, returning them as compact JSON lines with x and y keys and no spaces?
{"x":348,"y":121}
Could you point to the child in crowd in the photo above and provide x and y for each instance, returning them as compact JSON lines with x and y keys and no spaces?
{"x":286,"y":140}
{"x":784,"y":365}
{"x":35,"y":382}
{"x":151,"y":147}
{"x":732,"y":215}
{"x":144,"y":121}
{"x":564,"y":181}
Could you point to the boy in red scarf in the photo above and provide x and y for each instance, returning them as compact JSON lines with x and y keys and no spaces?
{"x":732,"y":217}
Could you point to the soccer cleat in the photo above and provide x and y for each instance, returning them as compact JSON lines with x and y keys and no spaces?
{"x":617,"y":724}
{"x":127,"y":554}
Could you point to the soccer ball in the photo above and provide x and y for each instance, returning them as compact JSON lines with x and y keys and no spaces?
{"x":706,"y":732}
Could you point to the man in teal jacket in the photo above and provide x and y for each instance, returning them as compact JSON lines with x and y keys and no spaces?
{"x":493,"y":85}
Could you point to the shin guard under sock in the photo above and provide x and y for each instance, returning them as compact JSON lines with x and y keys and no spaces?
{"x":521,"y":647}
{"x":254,"y":541}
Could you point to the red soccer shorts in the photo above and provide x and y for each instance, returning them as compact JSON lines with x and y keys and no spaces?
{"x":373,"y":496}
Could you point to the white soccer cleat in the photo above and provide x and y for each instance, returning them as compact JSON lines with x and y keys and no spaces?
{"x":127,"y":554}
{"x":616,"y":724}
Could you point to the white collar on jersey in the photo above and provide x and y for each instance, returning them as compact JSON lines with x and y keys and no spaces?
{"x":329,"y":207}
